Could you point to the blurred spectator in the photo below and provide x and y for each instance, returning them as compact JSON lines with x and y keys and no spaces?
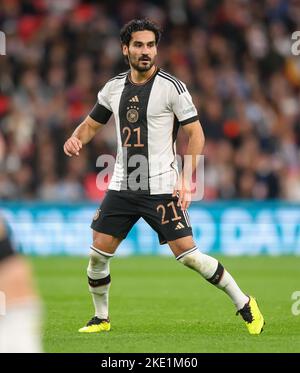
{"x":234,"y":55}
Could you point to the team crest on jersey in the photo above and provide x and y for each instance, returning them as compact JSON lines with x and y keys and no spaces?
{"x":132,"y":114}
{"x":97,"y":213}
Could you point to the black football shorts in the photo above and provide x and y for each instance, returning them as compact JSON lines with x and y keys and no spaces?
{"x":119,"y":211}
{"x":6,"y":248}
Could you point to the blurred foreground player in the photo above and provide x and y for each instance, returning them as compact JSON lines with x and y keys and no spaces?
{"x":19,"y":303}
{"x":149,"y":106}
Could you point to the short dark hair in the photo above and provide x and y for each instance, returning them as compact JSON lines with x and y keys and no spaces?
{"x":139,"y":25}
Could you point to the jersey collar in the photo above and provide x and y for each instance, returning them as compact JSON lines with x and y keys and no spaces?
{"x":147,"y":81}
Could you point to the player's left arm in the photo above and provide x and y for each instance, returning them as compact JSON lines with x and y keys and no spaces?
{"x":194,"y":150}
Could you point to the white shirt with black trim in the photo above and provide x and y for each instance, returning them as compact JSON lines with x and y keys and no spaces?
{"x":147,"y":118}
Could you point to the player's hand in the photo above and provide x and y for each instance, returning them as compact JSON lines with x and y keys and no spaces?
{"x":183,"y":191}
{"x":72,"y":146}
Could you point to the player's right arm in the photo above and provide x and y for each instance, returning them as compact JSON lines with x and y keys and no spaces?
{"x":98,"y":117}
{"x":81,"y":136}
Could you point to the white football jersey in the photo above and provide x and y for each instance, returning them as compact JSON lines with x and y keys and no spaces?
{"x":147,"y":118}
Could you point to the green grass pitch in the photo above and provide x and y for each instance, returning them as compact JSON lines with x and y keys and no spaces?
{"x":158,"y":305}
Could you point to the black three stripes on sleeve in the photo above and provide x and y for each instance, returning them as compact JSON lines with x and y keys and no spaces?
{"x":177,"y":83}
{"x":180,"y":89}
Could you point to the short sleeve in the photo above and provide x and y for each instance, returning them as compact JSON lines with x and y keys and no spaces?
{"x":102,"y":110}
{"x":182,"y":105}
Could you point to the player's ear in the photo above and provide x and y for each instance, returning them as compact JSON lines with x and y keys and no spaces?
{"x":125,"y":49}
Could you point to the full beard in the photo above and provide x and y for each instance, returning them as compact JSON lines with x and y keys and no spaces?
{"x":141,"y":67}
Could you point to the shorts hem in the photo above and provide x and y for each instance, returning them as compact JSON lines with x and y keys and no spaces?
{"x":110,"y":233}
{"x":166,"y":240}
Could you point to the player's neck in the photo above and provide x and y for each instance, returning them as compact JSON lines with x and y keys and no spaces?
{"x":139,"y":77}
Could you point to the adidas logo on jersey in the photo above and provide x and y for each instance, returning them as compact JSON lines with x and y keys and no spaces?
{"x":179,"y":226}
{"x":134,"y":99}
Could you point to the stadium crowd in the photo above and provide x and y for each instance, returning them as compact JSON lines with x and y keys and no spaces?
{"x":234,"y":56}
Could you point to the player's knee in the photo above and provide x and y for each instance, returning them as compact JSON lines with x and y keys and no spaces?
{"x":16,"y":279}
{"x":16,"y":269}
{"x":97,"y":259}
{"x":98,"y":269}
{"x":193,"y":260}
{"x":105,"y":242}
{"x":202,"y":263}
